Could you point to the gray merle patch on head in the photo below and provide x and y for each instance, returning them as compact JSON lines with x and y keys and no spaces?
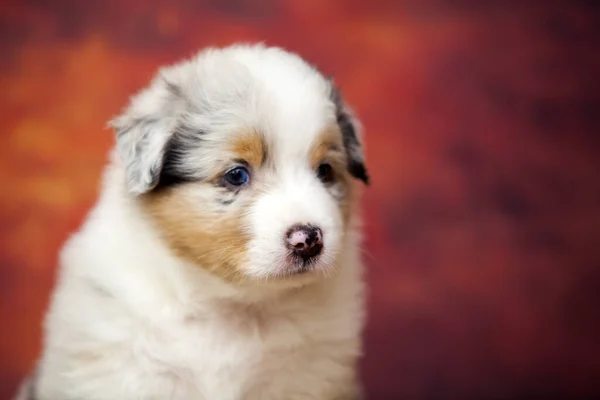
{"x":352,"y":145}
{"x":151,"y":141}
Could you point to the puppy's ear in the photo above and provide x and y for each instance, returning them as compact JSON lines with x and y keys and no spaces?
{"x":352,"y":135}
{"x":143,"y":131}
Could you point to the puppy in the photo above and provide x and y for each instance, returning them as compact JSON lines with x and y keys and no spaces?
{"x":221,"y":261}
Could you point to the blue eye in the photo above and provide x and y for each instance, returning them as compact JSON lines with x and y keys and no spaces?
{"x":238,"y":176}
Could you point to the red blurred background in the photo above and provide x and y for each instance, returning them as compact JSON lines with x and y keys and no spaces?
{"x":483,"y":133}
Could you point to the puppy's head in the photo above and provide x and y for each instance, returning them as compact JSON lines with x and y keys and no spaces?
{"x":244,"y":158}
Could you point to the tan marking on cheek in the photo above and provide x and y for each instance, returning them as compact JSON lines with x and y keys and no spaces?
{"x":212,"y":240}
{"x":251,"y":148}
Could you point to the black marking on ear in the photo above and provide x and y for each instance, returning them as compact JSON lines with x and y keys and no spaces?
{"x":359,"y":171}
{"x":171,"y":173}
{"x":356,"y":165}
{"x":174,"y":171}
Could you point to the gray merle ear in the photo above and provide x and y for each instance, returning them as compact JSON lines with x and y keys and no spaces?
{"x":351,"y":133}
{"x":143,"y":132}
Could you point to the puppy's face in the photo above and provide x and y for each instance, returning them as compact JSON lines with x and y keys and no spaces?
{"x":244,"y":159}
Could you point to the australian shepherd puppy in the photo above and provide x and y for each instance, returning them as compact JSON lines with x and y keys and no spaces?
{"x":221,"y":261}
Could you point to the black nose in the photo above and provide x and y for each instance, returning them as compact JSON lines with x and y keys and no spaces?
{"x":305,"y":241}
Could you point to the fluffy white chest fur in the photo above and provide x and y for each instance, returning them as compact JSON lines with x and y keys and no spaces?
{"x":245,"y":286}
{"x":128,"y":321}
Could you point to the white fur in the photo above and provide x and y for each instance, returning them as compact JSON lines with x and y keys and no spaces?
{"x":130,"y":320}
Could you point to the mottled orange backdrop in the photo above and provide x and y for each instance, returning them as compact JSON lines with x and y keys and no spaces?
{"x":483,"y":138}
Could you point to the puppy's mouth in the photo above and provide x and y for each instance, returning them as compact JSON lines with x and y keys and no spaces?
{"x":302,"y":264}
